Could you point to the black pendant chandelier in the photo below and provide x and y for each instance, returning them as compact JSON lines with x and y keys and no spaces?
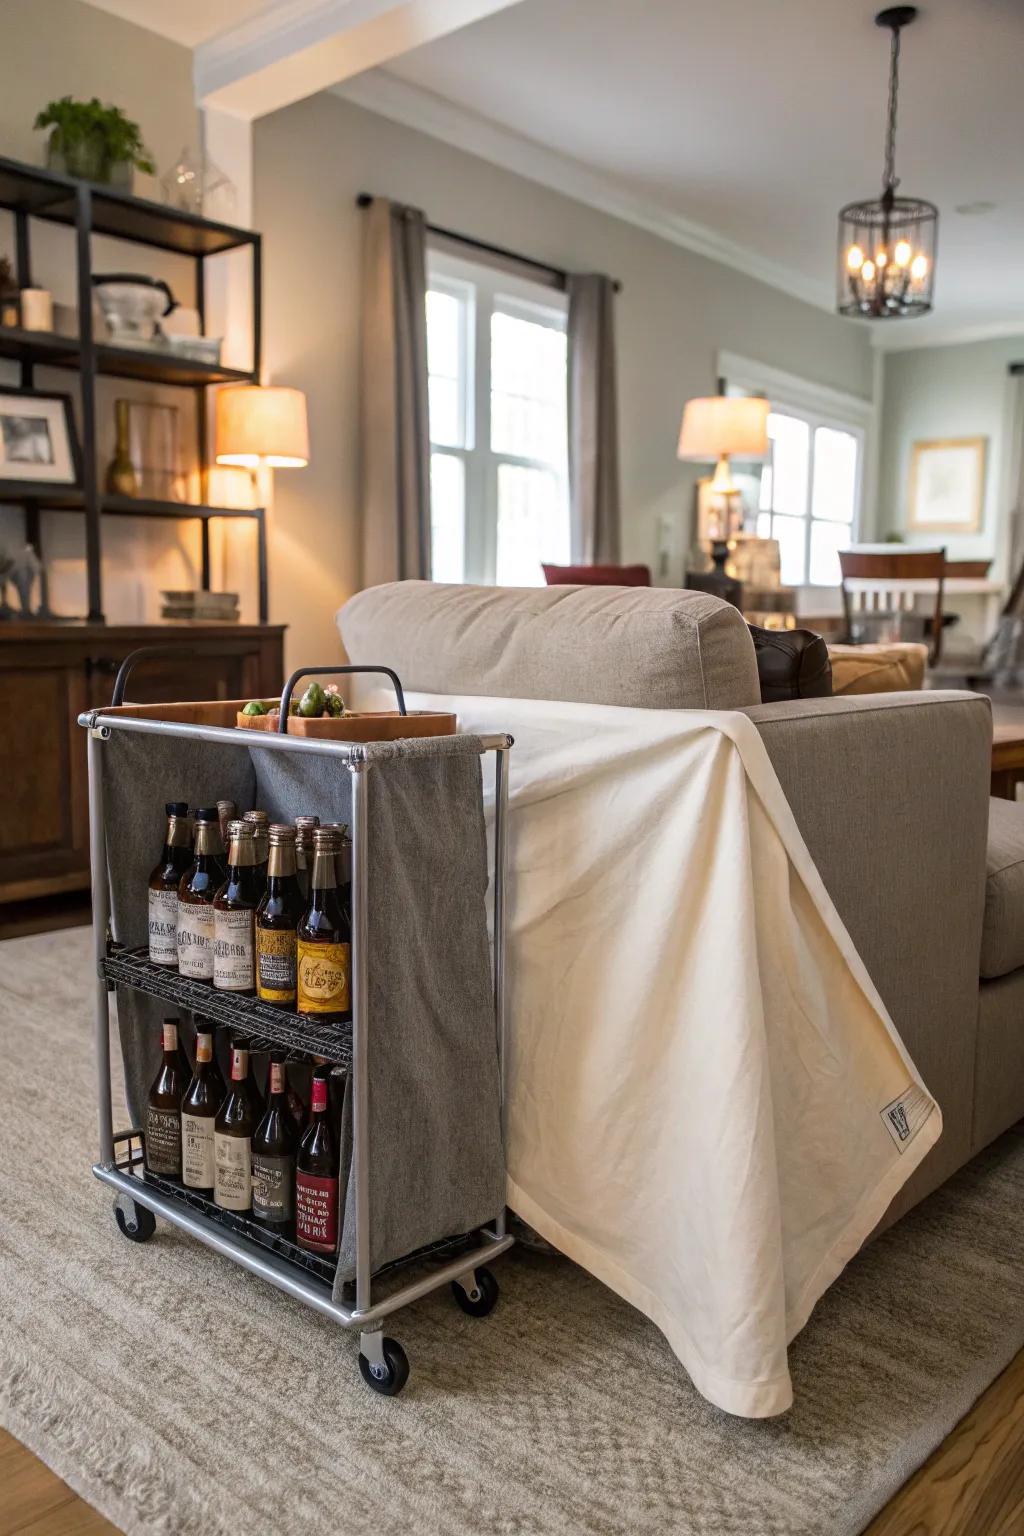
{"x":887,"y":245}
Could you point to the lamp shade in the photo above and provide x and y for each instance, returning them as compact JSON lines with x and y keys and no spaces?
{"x":724,"y":424}
{"x":262,"y":424}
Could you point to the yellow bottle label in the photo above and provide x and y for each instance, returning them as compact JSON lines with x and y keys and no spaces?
{"x":324,"y":971}
{"x":275,"y":964}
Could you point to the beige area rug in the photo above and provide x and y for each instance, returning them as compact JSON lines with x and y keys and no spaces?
{"x":178,"y":1394}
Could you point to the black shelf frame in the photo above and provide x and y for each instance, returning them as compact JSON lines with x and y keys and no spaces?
{"x":30,"y":193}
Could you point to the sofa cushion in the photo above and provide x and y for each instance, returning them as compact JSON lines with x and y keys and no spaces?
{"x":791,"y":664}
{"x":649,"y":647}
{"x":1002,"y":938}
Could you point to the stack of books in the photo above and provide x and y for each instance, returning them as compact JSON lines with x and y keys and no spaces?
{"x":207,"y":606}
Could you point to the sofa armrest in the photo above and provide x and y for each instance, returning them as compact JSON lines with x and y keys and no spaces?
{"x":890,"y":792}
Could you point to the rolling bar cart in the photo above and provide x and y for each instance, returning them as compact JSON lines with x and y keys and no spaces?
{"x":362,"y":1303}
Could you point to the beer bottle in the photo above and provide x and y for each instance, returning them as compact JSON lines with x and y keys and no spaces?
{"x":162,"y":1142}
{"x":316,"y":1176}
{"x":260,"y":821}
{"x":199,"y":885}
{"x":323,"y":939}
{"x":203,"y":1098}
{"x":232,"y":1139}
{"x":304,"y":851}
{"x":277,"y":918}
{"x":234,"y":914}
{"x":252,"y":1086}
{"x":273,"y":1156}
{"x":163,"y":885}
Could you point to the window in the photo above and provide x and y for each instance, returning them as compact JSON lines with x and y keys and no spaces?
{"x":810,"y":486}
{"x":496,"y":357}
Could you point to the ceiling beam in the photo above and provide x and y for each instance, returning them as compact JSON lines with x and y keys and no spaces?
{"x":298,"y":47}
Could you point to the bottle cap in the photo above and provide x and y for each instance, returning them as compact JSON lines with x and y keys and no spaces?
{"x":326,"y":839}
{"x":207,"y":813}
{"x":279,"y":832}
{"x":256,"y":818}
{"x":302,"y":823}
{"x":241,"y":829}
{"x":176,"y":807}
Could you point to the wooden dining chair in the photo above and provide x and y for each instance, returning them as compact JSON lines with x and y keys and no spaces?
{"x":886,"y":584}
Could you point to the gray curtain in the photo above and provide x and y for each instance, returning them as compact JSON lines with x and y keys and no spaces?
{"x":394,"y":429}
{"x":593,"y":420}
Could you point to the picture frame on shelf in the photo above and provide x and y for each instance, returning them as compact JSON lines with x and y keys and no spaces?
{"x":38,"y":442}
{"x":947,"y":485}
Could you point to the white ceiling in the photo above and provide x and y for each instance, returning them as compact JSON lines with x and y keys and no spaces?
{"x":189,"y":22}
{"x":759,"y":120}
{"x":742,"y":124}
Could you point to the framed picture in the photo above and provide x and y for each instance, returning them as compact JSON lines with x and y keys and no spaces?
{"x":947,"y":485}
{"x":38,"y":444}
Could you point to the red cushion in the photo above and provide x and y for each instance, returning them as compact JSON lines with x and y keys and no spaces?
{"x":597,"y":575}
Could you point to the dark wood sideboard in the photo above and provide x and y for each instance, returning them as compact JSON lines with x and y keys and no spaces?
{"x":49,"y":674}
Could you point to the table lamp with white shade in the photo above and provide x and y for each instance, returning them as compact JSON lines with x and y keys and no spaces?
{"x":262,"y":426}
{"x":713,"y":429}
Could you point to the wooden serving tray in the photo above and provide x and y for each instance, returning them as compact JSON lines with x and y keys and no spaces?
{"x":376,"y":725}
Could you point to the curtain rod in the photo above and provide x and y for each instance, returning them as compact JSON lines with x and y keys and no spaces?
{"x":366,"y":198}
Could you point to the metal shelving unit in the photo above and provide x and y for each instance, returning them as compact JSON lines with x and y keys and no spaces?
{"x":140,"y":1198}
{"x":30,"y":193}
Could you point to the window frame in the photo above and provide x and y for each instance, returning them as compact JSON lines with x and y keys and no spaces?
{"x":817,"y":405}
{"x":489,"y":290}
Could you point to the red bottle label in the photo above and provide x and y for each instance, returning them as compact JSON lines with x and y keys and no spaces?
{"x":316,"y":1212}
{"x":319,"y":1094}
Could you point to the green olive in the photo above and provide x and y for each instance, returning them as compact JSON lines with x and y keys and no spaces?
{"x":312,"y":703}
{"x":254,"y":707}
{"x":335,"y":705}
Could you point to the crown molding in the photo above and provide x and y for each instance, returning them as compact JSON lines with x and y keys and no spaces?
{"x":385,"y":94}
{"x":295,"y":48}
{"x":933,"y":333}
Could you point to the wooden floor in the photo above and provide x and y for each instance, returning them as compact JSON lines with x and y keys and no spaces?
{"x":972,"y":1486}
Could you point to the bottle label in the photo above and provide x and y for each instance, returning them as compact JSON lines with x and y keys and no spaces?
{"x":170,"y":1035}
{"x":319,"y":1094}
{"x":273,"y":1185}
{"x":275,"y":964}
{"x":163,"y":921}
{"x":239,"y":1063}
{"x":232,"y":1184}
{"x":233,"y":969}
{"x":195,"y":940}
{"x":163,"y":1142}
{"x":316,"y":1212}
{"x":323,"y":977}
{"x":204,"y":1047}
{"x":197,"y":1163}
{"x":278,"y":1080}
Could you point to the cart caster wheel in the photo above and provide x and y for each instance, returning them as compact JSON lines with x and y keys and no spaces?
{"x":137,"y":1227}
{"x":390,"y":1377}
{"x":481,"y":1300}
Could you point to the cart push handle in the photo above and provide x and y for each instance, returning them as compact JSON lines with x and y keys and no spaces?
{"x":286,"y":696}
{"x":144,"y":653}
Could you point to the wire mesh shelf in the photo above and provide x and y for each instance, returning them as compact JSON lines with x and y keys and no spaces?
{"x":275,"y":1028}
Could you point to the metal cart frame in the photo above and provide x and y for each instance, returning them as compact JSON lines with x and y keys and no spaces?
{"x":377,"y":1361}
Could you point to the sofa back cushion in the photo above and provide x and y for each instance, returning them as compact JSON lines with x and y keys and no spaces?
{"x":644,"y":647}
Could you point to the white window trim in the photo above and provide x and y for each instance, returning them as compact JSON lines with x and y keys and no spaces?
{"x":494,"y":287}
{"x":821,"y":406}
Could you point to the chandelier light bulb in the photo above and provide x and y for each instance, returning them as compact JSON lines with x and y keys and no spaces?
{"x":902,"y":253}
{"x":867,"y":271}
{"x":854,"y":258}
{"x":919,"y":268}
{"x":881,"y":258}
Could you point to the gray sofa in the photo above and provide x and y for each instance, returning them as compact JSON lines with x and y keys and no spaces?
{"x":891,"y":793}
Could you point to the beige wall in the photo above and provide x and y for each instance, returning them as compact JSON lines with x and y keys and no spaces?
{"x":953,"y":391}
{"x":674,"y":313}
{"x":51,"y":48}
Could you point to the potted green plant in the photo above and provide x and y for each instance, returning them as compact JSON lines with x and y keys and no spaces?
{"x":93,"y":142}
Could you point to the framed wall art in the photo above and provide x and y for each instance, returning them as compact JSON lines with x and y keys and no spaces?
{"x":38,"y":443}
{"x":947,"y":485}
